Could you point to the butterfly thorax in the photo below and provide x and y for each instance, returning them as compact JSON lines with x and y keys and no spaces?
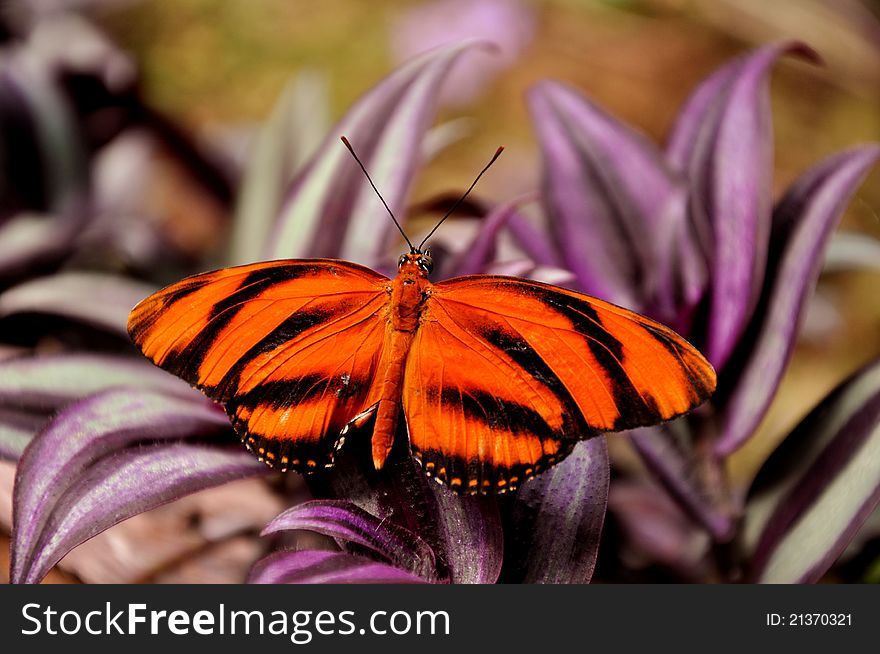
{"x":409,"y":290}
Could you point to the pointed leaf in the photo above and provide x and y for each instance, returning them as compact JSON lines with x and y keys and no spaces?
{"x":91,"y":448}
{"x":614,"y":206}
{"x":668,"y":454}
{"x":814,"y":492}
{"x":318,"y":567}
{"x":558,"y":517}
{"x":464,"y":533}
{"x":803,"y":222}
{"x":49,"y":176}
{"x":17,"y":428}
{"x":127,"y":483}
{"x":97,"y":299}
{"x":470,"y":530}
{"x":31,"y":94}
{"x":534,"y":242}
{"x":657,"y":529}
{"x":46,"y":383}
{"x":486,"y":254}
{"x":35,"y":244}
{"x":331,"y":211}
{"x":92,"y":428}
{"x":283,"y":145}
{"x":723,"y":142}
{"x":348,"y":523}
{"x":480,"y":252}
{"x":692,"y":134}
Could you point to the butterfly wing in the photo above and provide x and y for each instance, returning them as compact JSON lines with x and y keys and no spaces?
{"x":505,"y":375}
{"x":290,"y":347}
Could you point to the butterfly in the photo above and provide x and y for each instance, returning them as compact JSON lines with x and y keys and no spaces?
{"x":496,"y":378}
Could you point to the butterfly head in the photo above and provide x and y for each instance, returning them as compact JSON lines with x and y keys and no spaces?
{"x":417,"y":262}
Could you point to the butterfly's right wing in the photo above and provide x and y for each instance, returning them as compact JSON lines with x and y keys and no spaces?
{"x":505,"y":375}
{"x":290,"y":347}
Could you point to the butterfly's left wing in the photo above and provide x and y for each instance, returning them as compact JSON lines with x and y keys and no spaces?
{"x":290,"y":347}
{"x":505,"y":375}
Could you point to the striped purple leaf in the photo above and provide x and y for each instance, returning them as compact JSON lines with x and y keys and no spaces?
{"x":111,"y":456}
{"x":811,"y":496}
{"x":350,"y":525}
{"x":320,"y":567}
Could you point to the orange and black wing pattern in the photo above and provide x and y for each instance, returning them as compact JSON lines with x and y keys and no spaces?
{"x":290,"y":347}
{"x":505,"y":375}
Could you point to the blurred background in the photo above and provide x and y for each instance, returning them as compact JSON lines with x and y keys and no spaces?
{"x":165,"y":98}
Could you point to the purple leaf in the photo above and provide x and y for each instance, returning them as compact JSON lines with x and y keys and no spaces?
{"x":46,"y":383}
{"x":558,"y":517}
{"x":348,"y":523}
{"x":480,"y":252}
{"x":37,"y":110}
{"x":32,"y":389}
{"x":803,"y":223}
{"x":86,"y":471}
{"x":318,"y":567}
{"x":16,"y":430}
{"x":463,"y":532}
{"x":48,"y":181}
{"x":282,"y":147}
{"x":534,"y":242}
{"x":470,"y":529}
{"x":127,"y":483}
{"x":672,"y":463}
{"x":514,"y":268}
{"x":527,"y":268}
{"x":691,"y":136}
{"x":97,"y":299}
{"x":331,"y":211}
{"x":814,"y":492}
{"x":614,"y":206}
{"x":399,"y":492}
{"x":723,"y":142}
{"x":657,"y":530}
{"x":36,"y":244}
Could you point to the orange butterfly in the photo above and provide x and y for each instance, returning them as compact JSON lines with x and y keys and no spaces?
{"x":497,"y":377}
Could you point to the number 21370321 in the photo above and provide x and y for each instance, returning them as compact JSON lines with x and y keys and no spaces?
{"x":809,"y":619}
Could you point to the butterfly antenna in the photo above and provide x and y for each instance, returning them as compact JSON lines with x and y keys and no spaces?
{"x":461,"y":199}
{"x":369,"y":179}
